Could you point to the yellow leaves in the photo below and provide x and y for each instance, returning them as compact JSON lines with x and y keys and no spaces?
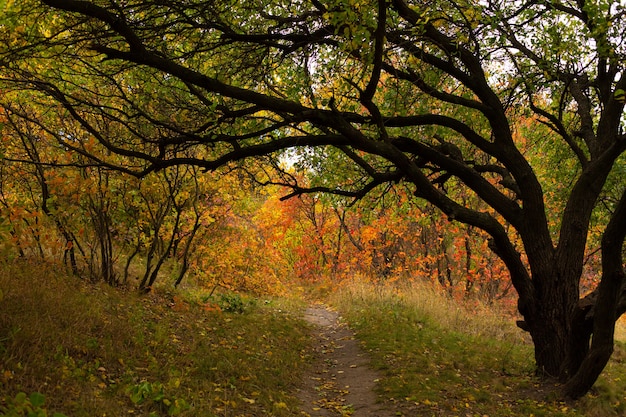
{"x":473,"y":16}
{"x":7,"y":375}
{"x":90,"y":145}
{"x":225,"y":403}
{"x":369,"y":234}
{"x":280,"y":405}
{"x":45,"y":30}
{"x":428,"y":402}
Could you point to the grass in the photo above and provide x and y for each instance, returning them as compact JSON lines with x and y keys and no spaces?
{"x":92,"y":350}
{"x":440,"y":359}
{"x":83,"y":349}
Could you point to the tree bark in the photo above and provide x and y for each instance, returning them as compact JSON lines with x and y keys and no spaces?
{"x":605,"y":315}
{"x":550,"y":332}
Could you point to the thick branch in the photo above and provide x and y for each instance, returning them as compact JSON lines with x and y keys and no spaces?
{"x":116,"y":23}
{"x":357,"y":194}
{"x":472,"y":178}
{"x":379,"y":47}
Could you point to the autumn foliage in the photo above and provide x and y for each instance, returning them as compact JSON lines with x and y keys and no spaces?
{"x":222,"y":230}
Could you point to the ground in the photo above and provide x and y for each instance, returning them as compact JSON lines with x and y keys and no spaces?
{"x":340,"y":381}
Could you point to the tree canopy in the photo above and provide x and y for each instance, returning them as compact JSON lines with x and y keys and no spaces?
{"x":460,"y":101}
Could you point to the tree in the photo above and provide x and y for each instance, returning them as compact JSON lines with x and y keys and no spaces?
{"x":31,"y":193}
{"x":380,"y":92}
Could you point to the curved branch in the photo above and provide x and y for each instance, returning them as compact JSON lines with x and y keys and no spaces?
{"x":379,"y":47}
{"x":188,"y":75}
{"x":420,"y":83}
{"x":510,"y":210}
{"x":445,"y":121}
{"x":555,"y":124}
{"x":376,"y":181}
{"x":474,"y":78}
{"x":116,"y":23}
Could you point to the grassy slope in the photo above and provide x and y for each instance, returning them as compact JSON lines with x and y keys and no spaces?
{"x":92,"y":350}
{"x":95,"y":351}
{"x":442,"y":360}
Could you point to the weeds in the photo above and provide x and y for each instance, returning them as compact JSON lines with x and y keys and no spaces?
{"x":153,"y":394}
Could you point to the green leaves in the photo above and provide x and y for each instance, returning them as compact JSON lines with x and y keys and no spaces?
{"x":27,"y":406}
{"x":147,"y":392}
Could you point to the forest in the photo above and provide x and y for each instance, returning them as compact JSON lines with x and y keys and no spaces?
{"x":198,"y":158}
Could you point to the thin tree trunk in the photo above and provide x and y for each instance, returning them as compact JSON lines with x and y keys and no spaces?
{"x":185,"y":255}
{"x":130,"y":258}
{"x":344,"y":226}
{"x":469,"y":281}
{"x":164,"y":255}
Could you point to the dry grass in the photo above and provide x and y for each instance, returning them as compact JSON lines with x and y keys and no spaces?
{"x":471,"y":317}
{"x":443,"y":358}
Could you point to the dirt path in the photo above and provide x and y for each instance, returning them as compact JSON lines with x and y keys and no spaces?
{"x":340,"y":382}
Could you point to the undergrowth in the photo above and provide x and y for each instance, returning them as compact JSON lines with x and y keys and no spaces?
{"x":82,"y":349}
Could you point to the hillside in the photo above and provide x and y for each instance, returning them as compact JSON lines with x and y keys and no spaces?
{"x":93,"y":350}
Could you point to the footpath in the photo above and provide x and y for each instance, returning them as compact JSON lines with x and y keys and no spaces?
{"x":340,"y":380}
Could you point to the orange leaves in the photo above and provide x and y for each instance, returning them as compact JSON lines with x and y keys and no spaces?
{"x":369,"y":234}
{"x":179,"y":304}
{"x":310,"y":239}
{"x":210,"y":307}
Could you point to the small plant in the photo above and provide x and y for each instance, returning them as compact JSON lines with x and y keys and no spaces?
{"x":27,"y":405}
{"x":226,"y":302}
{"x":147,"y":392}
{"x":232,"y":303}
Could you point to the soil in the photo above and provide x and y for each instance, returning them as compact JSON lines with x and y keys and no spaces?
{"x":340,"y":381}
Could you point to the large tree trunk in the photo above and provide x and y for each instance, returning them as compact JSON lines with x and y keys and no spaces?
{"x":550,"y":330}
{"x":574,"y":344}
{"x":561,"y":325}
{"x":573,"y":338}
{"x":606,"y":307}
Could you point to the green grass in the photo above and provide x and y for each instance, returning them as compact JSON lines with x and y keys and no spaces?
{"x":440,"y":359}
{"x":92,"y":350}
